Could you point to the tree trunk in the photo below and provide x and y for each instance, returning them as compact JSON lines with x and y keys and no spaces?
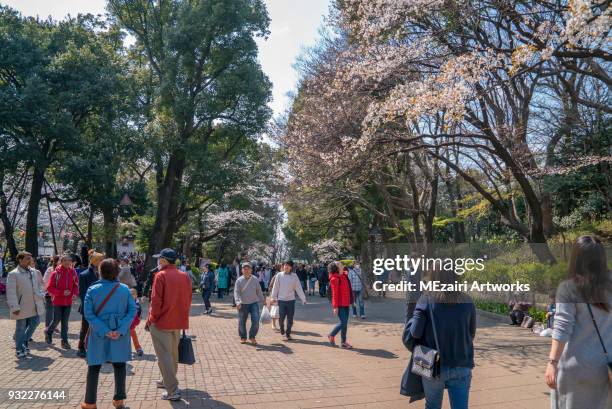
{"x":31,"y":236}
{"x":167,"y":206}
{"x":89,"y":238}
{"x":110,"y":232}
{"x":6,"y":222}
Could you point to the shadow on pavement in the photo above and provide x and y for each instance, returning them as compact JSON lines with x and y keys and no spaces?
{"x":193,"y":398}
{"x":306,"y":334}
{"x":34,"y":363}
{"x":378,"y":353}
{"x":282,"y":348}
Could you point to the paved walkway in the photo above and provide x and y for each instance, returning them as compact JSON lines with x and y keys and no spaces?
{"x":305,"y":373}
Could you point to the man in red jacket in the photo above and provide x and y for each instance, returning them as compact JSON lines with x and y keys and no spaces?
{"x":63,"y":287}
{"x":168,"y":315}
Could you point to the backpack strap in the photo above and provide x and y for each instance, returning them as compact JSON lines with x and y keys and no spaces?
{"x":105,"y":300}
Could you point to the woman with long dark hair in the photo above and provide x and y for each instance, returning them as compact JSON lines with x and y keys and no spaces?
{"x":578,"y":366}
{"x":446,"y":321}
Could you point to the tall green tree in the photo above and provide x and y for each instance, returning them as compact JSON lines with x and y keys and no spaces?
{"x":53,"y":76}
{"x":203,"y":59}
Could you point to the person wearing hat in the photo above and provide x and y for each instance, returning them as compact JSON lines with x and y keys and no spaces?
{"x":248,"y":295}
{"x":168,"y":315}
{"x":86,"y":278}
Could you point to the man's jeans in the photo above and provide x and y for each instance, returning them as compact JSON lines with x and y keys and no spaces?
{"x":24,"y":328}
{"x":243,"y":314}
{"x":358,"y":295}
{"x":456,"y":380}
{"x":286,"y":309}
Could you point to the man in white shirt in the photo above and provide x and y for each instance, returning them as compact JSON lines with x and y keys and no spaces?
{"x":286,"y":285}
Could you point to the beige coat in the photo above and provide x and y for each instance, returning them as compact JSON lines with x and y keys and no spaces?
{"x":126,"y":277}
{"x":25,"y":293}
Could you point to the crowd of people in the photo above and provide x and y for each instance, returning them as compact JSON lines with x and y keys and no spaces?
{"x":110,"y":293}
{"x":440,"y":328}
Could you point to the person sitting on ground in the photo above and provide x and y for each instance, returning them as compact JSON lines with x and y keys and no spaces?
{"x":518,"y":308}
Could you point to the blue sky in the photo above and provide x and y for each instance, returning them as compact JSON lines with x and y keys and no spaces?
{"x":294,"y":26}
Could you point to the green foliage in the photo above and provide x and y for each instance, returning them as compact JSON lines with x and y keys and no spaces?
{"x":541,"y":277}
{"x":537,"y":315}
{"x":495,"y":307}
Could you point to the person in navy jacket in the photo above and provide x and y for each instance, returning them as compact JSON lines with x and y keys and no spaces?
{"x":454,"y":316}
{"x":86,"y":278}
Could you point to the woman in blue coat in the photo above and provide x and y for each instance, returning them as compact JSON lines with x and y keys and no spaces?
{"x":109,"y":309}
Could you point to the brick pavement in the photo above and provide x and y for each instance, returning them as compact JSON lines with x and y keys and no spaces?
{"x":304,"y":373}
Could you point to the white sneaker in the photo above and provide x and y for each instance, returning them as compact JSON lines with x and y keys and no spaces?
{"x":174,"y":397}
{"x":21,"y":354}
{"x":354,"y":315}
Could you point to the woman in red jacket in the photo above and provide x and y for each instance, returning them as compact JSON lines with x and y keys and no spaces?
{"x":341,"y":294}
{"x":63,"y":286}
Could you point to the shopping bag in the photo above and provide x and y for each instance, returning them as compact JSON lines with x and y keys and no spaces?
{"x":185,"y":349}
{"x":266,"y":317}
{"x":274,"y":311}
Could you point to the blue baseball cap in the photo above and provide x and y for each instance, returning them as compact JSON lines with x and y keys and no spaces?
{"x":167,"y":254}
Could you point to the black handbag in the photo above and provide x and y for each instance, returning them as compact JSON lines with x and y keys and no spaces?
{"x":602,"y":344}
{"x":425,"y":360}
{"x":185,"y":349}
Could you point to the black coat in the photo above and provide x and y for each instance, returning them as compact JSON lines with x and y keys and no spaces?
{"x":86,"y":278}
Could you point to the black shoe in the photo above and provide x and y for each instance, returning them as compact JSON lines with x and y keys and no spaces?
{"x":66,"y":345}
{"x":81,"y":353}
{"x":288,"y":338}
{"x":48,"y":337}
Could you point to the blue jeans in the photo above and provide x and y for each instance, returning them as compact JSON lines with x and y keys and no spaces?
{"x":243,"y":314}
{"x":24,"y":328}
{"x":342,"y":326}
{"x":358,"y":300}
{"x":456,"y":380}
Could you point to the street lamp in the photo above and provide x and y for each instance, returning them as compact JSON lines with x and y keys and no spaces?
{"x":125,"y":206}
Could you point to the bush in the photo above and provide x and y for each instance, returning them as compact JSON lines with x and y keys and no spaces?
{"x":541,"y":277}
{"x":496,"y":307}
{"x":538,"y":315}
{"x":348,"y":263}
